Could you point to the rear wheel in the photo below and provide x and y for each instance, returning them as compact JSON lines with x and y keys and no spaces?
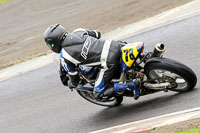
{"x":108,"y":102}
{"x":163,"y":70}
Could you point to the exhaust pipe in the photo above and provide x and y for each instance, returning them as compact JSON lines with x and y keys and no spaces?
{"x":157,"y":86}
{"x":158,"y":50}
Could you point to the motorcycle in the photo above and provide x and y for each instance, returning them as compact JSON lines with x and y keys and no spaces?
{"x":155,"y":72}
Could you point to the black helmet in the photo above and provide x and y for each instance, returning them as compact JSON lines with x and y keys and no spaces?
{"x":53,"y":36}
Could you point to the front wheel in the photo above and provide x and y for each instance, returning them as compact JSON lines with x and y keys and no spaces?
{"x":111,"y":102}
{"x":180,"y":77}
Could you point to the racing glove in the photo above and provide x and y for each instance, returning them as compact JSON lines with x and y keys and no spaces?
{"x":73,"y":79}
{"x":64,"y":78}
{"x":95,"y":33}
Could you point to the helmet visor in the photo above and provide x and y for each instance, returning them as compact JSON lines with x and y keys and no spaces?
{"x":51,"y":45}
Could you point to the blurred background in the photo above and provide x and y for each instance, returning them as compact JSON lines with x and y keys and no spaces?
{"x":23,"y":22}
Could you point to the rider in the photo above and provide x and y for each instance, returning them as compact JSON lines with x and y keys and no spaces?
{"x":84,"y":47}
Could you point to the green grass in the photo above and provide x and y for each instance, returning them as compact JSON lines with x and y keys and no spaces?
{"x":196,"y":130}
{"x":3,"y":1}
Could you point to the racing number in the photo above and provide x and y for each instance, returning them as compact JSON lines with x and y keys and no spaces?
{"x":129,"y":52}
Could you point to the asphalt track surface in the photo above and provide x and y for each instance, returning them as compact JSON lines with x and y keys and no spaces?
{"x":37,"y":101}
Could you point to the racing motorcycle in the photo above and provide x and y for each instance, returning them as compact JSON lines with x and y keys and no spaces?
{"x":155,"y":72}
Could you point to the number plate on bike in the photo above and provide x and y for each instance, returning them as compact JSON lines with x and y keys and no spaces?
{"x":130,"y":53}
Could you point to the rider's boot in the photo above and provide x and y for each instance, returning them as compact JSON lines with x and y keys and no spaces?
{"x":119,"y":89}
{"x":131,"y":86}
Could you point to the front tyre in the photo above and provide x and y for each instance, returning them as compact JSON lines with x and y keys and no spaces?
{"x":180,"y":77}
{"x":111,"y":102}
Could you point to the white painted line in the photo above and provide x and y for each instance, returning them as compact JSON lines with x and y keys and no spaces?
{"x":116,"y":129}
{"x":26,"y":66}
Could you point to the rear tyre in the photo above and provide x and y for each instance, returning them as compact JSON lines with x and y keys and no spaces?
{"x":184,"y":78}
